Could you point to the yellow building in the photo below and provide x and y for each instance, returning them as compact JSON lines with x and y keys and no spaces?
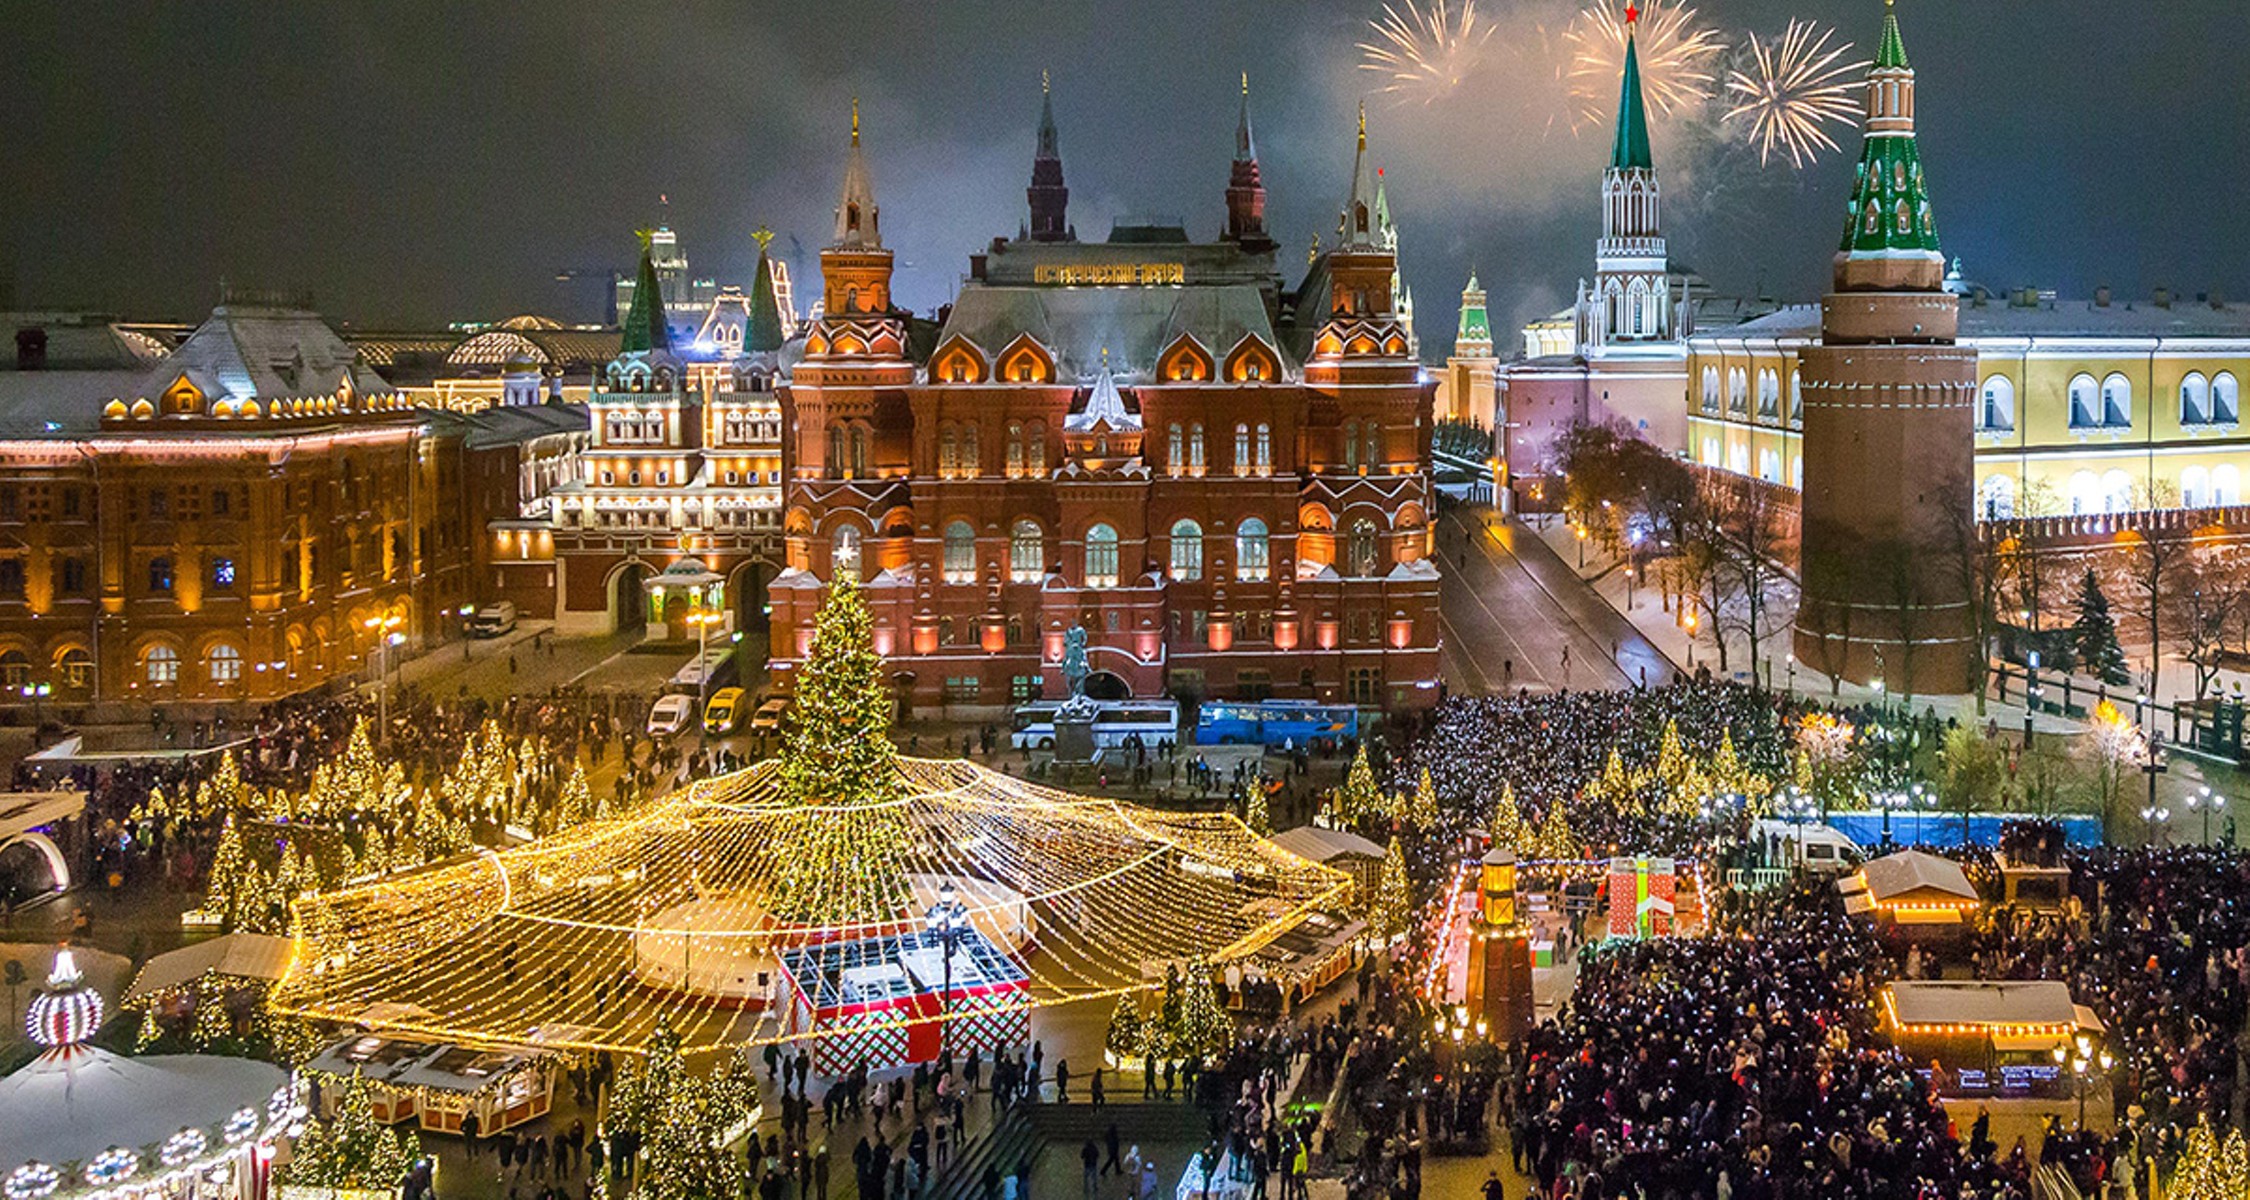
{"x":2085,"y":406}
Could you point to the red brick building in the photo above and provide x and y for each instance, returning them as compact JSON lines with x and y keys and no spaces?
{"x":1221,"y":479}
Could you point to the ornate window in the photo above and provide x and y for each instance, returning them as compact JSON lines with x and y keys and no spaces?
{"x":1241,"y":449}
{"x":1187,"y":550}
{"x":1373,"y":431}
{"x":1101,"y":557}
{"x":77,"y":668}
{"x":2083,"y":398}
{"x":971,"y":463}
{"x":1015,"y":450}
{"x":2226,"y":400}
{"x":161,"y":665}
{"x":1027,"y":552}
{"x":1253,"y":551}
{"x":1361,"y":549}
{"x":1175,"y":458}
{"x":860,"y":439}
{"x":2117,"y":402}
{"x":1351,"y":445}
{"x":960,"y":553}
{"x":1195,"y":450}
{"x":948,"y":452}
{"x":223,"y":664}
{"x":1998,"y":412}
{"x":1264,"y":459}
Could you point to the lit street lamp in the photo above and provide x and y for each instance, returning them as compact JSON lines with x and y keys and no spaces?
{"x":386,"y":636}
{"x":2206,"y":801}
{"x":2078,"y":1057}
{"x":702,"y":618}
{"x":947,"y":921}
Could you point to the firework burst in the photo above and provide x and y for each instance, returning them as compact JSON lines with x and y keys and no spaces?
{"x":1424,"y":52}
{"x":1677,"y":53}
{"x":1789,"y":89}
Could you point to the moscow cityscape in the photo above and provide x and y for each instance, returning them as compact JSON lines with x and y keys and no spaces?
{"x":1348,"y":600}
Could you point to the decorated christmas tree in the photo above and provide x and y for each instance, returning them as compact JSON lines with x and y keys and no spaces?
{"x":2094,"y":635}
{"x":682,"y":1121}
{"x":350,"y":1150}
{"x":1672,"y":763}
{"x":576,"y":804}
{"x":849,"y":840}
{"x":1359,"y":798}
{"x":1163,"y":1037}
{"x":1422,"y":807}
{"x":1255,"y":812}
{"x":1556,"y":841}
{"x":1392,"y":909}
{"x":1509,"y":830}
{"x":2210,"y":1169}
{"x":1127,"y":1036}
{"x":1205,"y":1031}
{"x":224,"y":878}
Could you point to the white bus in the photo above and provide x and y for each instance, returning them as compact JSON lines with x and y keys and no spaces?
{"x":1115,"y":722}
{"x":706,"y":672}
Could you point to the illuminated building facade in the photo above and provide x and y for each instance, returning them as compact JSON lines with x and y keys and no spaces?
{"x":1222,"y":481}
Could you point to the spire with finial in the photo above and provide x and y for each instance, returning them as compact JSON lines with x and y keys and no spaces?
{"x":646,"y":327}
{"x":858,"y":217}
{"x":1630,"y":150}
{"x":1890,"y":219}
{"x":1359,"y":230}
{"x":1047,"y":195}
{"x":761,"y":322}
{"x":1246,"y":188}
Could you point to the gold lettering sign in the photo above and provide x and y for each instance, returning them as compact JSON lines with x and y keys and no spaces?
{"x":1111,"y":274}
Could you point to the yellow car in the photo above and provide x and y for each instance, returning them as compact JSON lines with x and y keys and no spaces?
{"x":724,"y":711}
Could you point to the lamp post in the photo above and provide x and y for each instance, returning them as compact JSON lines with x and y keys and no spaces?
{"x":701,"y":618}
{"x":386,"y":636}
{"x":37,"y":693}
{"x":947,"y":920}
{"x":2206,"y":801}
{"x":2078,"y":1057}
{"x":2152,"y":766}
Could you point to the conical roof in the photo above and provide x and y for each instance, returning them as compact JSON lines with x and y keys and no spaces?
{"x":1631,"y":149}
{"x":646,"y":328}
{"x":1356,"y":232}
{"x":1245,"y":145}
{"x":1890,"y":213}
{"x":1892,"y":52}
{"x":761,"y":330}
{"x":858,"y":217}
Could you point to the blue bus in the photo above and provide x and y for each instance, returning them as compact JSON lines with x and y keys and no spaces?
{"x":1276,"y":724}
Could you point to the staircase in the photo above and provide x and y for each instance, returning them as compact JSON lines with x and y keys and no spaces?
{"x":1026,"y":1131}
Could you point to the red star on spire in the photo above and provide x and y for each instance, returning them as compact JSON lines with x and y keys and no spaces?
{"x":1632,"y":14}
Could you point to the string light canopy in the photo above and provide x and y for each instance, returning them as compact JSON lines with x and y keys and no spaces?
{"x":737,"y":914}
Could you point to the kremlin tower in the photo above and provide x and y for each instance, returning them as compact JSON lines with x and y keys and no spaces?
{"x":1630,"y":301}
{"x":1049,"y":198}
{"x":1246,"y":188}
{"x":1889,"y":429}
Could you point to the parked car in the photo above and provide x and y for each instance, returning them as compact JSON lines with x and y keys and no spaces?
{"x":494,"y":619}
{"x":723,"y":712}
{"x":670,"y":714}
{"x":768,"y":717}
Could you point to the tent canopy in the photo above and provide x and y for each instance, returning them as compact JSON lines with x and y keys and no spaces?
{"x":255,"y":956}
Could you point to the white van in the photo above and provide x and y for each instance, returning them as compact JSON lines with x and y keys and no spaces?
{"x":494,"y":619}
{"x":1815,"y":847}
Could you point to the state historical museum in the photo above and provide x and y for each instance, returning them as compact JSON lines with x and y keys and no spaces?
{"x":1221,"y":479}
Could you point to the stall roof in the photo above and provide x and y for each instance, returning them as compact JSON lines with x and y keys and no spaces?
{"x":1315,"y":844}
{"x":1983,"y":1002}
{"x":236,"y":955}
{"x":1913,"y":875}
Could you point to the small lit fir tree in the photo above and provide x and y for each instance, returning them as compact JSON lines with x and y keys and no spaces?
{"x":1556,"y":841}
{"x":2094,"y":635}
{"x":224,"y":877}
{"x":1127,"y":1036}
{"x":1509,"y":830}
{"x":1205,"y":1031}
{"x":1672,"y":764}
{"x":846,"y":846}
{"x":1360,"y":797}
{"x":1392,"y":909}
{"x":2211,"y":1169}
{"x":1255,"y":812}
{"x":1422,"y":806}
{"x":682,"y":1121}
{"x":349,"y":1150}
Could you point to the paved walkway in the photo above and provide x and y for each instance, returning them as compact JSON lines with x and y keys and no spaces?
{"x":1516,"y":615}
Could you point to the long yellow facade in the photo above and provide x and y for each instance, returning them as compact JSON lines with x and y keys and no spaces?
{"x":2083,"y":407}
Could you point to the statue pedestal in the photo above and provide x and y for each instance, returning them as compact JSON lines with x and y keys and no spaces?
{"x":1074,"y":738}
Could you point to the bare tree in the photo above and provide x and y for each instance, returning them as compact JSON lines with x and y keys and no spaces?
{"x":2156,"y":560}
{"x":1746,"y":531}
{"x":2215,"y":590}
{"x":1974,"y":559}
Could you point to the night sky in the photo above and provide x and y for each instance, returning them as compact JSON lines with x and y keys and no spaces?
{"x":414,"y":163}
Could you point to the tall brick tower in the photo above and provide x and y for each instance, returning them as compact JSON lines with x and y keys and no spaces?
{"x":1888,"y":427}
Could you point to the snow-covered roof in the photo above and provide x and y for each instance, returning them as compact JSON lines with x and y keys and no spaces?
{"x":1916,"y":876}
{"x":1983,"y":1002}
{"x":1316,"y":844}
{"x":68,"y":1107}
{"x":247,"y":352}
{"x":1105,"y":409}
{"x":235,"y":955}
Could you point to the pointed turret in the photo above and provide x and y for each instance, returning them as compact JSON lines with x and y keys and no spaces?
{"x":1049,"y":199}
{"x":761,"y":326}
{"x":1631,"y":298}
{"x":1473,"y":337}
{"x":1890,"y":239}
{"x":1631,"y":149}
{"x":1358,"y":230}
{"x":645,"y":327}
{"x":1246,"y":189}
{"x":858,"y":217}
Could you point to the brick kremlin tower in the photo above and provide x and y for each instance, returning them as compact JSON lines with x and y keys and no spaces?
{"x":1888,"y":427}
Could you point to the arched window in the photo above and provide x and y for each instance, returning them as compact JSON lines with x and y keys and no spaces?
{"x":1253,"y":551}
{"x":1265,"y":449}
{"x":1769,"y":393}
{"x":1187,"y":550}
{"x":960,"y":553}
{"x":860,"y":439}
{"x":160,"y":574}
{"x":77,"y":667}
{"x":1738,"y":458}
{"x":2226,"y":400}
{"x":1710,"y":389}
{"x":1027,"y":552}
{"x":835,"y":451}
{"x":1998,"y":413}
{"x":972,"y":456}
{"x":1999,"y":496}
{"x":2084,"y":398}
{"x":2117,"y":492}
{"x":2117,"y":402}
{"x":1711,"y":452}
{"x":1195,"y":450}
{"x":2226,"y":486}
{"x":2195,"y":487}
{"x":1175,"y":457}
{"x":844,"y":553}
{"x":1738,"y":391}
{"x":1351,"y":445}
{"x":1374,"y":435}
{"x":948,"y":451}
{"x":1101,"y":557}
{"x":15,"y":669}
{"x":161,"y":665}
{"x":1360,"y":548}
{"x":1015,"y":449}
{"x":223,"y":664}
{"x":1796,"y":396}
{"x":2085,"y":493}
{"x":1769,"y":465}
{"x":1035,"y":448}
{"x":1241,"y":449}
{"x":2195,"y":400}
